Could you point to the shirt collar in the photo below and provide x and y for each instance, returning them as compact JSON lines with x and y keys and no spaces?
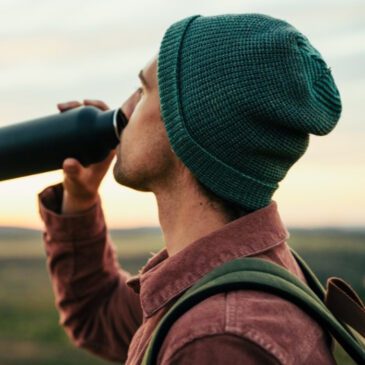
{"x":164,"y":278}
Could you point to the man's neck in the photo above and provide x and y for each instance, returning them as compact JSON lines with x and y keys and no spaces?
{"x":186,"y":215}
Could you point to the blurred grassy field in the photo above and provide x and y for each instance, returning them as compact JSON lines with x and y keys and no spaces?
{"x":29,"y":330}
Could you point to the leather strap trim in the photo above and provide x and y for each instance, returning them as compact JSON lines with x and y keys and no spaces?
{"x":345,"y":304}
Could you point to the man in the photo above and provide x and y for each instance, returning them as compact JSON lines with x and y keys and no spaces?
{"x":224,"y":110}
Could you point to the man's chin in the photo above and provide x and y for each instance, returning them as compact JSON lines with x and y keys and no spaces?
{"x":121,"y":178}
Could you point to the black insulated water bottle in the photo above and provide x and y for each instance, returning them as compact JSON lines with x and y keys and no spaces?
{"x":39,"y":145}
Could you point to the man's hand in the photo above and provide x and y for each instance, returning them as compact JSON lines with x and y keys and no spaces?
{"x":81,"y":183}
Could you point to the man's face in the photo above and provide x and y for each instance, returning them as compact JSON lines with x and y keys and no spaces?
{"x":144,"y":157}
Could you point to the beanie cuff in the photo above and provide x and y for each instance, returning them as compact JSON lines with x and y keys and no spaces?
{"x":227,"y":182}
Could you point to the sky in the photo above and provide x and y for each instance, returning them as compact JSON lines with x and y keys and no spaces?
{"x":54,"y":51}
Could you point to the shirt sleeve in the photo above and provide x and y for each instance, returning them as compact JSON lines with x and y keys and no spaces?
{"x":97,"y":309}
{"x":221,"y":349}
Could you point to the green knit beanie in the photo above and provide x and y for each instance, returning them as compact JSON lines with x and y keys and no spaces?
{"x":240,"y":94}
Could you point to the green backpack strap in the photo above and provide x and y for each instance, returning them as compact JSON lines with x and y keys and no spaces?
{"x":339,"y":298}
{"x":259,"y":274}
{"x":311,"y":278}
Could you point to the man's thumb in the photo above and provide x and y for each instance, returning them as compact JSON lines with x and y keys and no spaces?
{"x":71,"y":166}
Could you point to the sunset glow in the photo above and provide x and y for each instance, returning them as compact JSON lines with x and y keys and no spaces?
{"x":65,"y":50}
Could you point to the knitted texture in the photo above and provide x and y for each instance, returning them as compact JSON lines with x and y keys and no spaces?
{"x":240,"y":94}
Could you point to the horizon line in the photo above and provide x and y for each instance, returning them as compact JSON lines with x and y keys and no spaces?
{"x":156,"y":227}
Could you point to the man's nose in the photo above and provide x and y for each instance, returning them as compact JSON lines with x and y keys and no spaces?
{"x":129,"y":105}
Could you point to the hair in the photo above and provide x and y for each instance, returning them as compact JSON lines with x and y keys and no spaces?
{"x":231,"y":210}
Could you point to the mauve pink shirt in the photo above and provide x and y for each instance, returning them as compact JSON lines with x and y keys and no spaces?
{"x":105,"y":310}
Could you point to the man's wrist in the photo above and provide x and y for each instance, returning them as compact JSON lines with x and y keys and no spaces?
{"x":75,"y":226}
{"x":72,"y":205}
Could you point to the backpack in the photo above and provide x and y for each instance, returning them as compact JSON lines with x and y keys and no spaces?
{"x":338,"y":308}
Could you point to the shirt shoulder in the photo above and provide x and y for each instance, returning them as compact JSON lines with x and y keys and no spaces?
{"x":218,"y":349}
{"x":266,"y":324}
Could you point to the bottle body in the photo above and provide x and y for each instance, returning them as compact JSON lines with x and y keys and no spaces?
{"x":39,"y":145}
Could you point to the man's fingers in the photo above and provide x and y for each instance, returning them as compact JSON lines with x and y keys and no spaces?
{"x":68,"y":105}
{"x":75,"y":104}
{"x":97,"y":103}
